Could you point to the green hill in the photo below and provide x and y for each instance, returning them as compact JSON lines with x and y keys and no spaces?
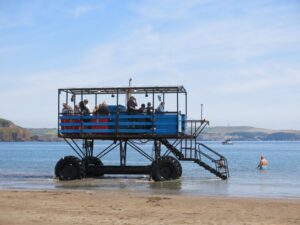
{"x":11,"y":132}
{"x":246,"y":133}
{"x":44,"y":134}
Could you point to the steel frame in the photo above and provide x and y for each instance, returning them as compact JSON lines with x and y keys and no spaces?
{"x":189,"y":148}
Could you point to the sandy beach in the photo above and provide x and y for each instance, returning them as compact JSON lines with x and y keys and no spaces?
{"x":124,"y":207}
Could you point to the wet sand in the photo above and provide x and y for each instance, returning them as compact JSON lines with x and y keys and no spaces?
{"x":131,"y":208}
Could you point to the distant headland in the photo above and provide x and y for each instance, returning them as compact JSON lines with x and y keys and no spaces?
{"x":12,"y":132}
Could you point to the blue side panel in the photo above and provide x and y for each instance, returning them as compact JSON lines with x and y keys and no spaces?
{"x":113,"y":108}
{"x":70,"y":131}
{"x":136,"y":131}
{"x":164,"y":124}
{"x":98,"y":130}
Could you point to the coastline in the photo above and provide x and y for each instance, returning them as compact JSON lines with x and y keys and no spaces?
{"x":49,"y":207}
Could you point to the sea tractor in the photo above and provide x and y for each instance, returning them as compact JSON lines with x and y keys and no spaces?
{"x":171,"y":134}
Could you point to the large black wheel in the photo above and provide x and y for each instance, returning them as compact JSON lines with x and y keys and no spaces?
{"x":69,"y":168}
{"x":92,"y":163}
{"x":166,"y":168}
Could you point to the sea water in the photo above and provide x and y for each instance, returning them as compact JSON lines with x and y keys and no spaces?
{"x":30,"y":165}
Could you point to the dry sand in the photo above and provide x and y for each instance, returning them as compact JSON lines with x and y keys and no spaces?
{"x":124,"y":207}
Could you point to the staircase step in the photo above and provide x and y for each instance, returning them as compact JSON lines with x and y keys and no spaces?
{"x":210,"y":169}
{"x":223,"y":175}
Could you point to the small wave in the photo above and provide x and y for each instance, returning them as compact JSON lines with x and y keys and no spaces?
{"x":26,"y":176}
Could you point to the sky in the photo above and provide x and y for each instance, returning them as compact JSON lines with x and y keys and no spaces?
{"x":240,"y":59}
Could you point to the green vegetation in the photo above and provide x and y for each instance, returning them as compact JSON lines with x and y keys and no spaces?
{"x":10,"y":132}
{"x":43,"y":134}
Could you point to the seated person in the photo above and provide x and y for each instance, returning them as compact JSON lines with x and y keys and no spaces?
{"x":131,"y":104}
{"x":143,"y":108}
{"x":76,"y":110}
{"x":103,"y":109}
{"x":67,"y":110}
{"x":221,"y":162}
{"x":160,"y":108}
{"x":84,"y":107}
{"x":149,"y":108}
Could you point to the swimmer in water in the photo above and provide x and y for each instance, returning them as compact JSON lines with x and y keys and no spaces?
{"x":263,"y":163}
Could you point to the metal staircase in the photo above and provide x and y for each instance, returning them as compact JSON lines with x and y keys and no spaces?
{"x":188,"y":149}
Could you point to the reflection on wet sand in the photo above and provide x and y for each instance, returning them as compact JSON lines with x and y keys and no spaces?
{"x":116,"y":182}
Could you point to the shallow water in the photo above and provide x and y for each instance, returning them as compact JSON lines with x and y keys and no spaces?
{"x":30,"y":165}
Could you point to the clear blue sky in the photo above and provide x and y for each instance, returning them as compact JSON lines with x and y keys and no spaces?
{"x":241,"y":59}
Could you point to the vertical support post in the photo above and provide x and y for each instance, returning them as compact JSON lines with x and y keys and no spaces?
{"x":186,"y":105}
{"x":67,"y":97}
{"x":96,"y":100}
{"x":177,"y":101}
{"x":117,"y":99}
{"x":58,"y":110}
{"x":123,"y":153}
{"x":157,"y":149}
{"x":130,"y":82}
{"x":195,"y":138}
{"x":88,"y":146}
{"x":81,"y":120}
{"x":201,"y":110}
{"x":153,"y":111}
{"x":117,"y":115}
{"x":92,"y":148}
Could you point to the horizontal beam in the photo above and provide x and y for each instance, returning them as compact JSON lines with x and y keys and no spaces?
{"x":120,"y":170}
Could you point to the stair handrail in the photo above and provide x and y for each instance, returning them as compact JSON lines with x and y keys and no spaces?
{"x":194,"y":129}
{"x":212,"y":159}
{"x":210,"y":149}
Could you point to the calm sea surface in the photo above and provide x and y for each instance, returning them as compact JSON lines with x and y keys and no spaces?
{"x":31,"y":166}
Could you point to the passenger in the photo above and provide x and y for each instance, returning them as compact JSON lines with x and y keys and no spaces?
{"x":161,"y":107}
{"x":149,"y":108}
{"x":76,"y":110}
{"x":67,"y":110}
{"x":263,"y":163}
{"x":103,"y":109}
{"x":221,"y":162}
{"x":76,"y":120}
{"x":94,"y":119}
{"x":84,"y":107}
{"x":85,"y":110}
{"x":131,"y":104}
{"x":143,"y":108}
{"x":95,"y":110}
